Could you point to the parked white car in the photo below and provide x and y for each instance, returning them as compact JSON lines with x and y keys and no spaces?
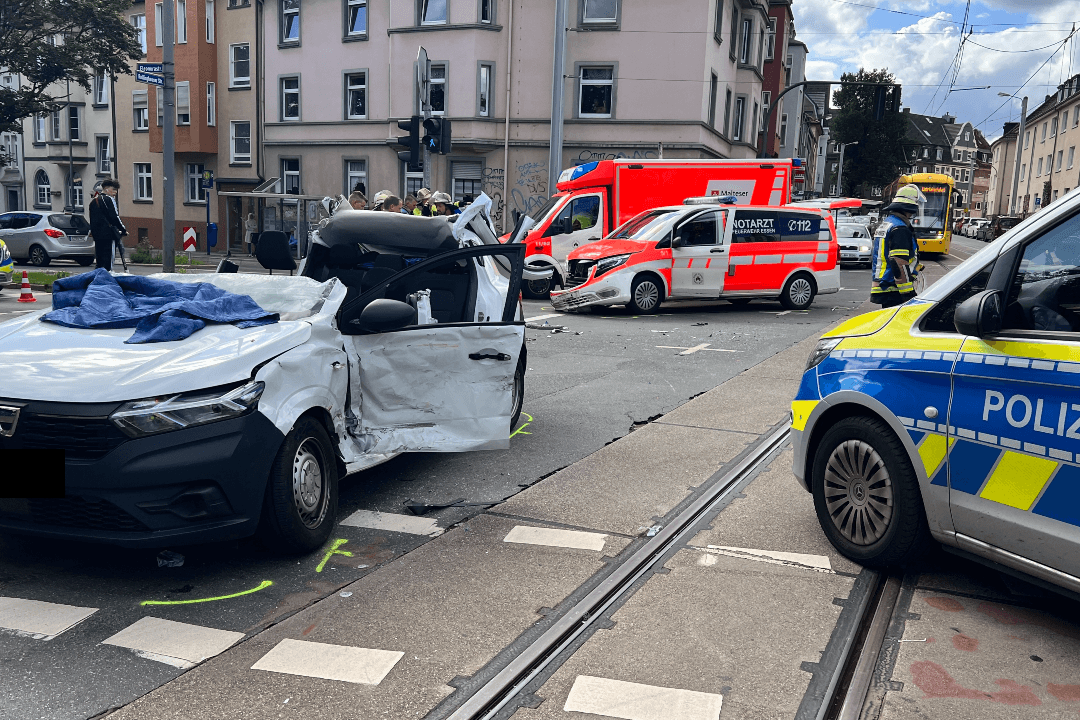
{"x":401,"y":334}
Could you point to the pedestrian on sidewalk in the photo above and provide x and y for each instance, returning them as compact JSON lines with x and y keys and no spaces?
{"x":105,"y":225}
{"x":896,"y":253}
{"x":251,"y":226}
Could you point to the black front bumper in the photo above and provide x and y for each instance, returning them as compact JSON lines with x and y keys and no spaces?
{"x":199,"y":484}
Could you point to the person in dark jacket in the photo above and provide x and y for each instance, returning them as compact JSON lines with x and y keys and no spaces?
{"x":105,"y":225}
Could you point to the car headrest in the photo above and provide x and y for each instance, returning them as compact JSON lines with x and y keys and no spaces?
{"x":346,"y":255}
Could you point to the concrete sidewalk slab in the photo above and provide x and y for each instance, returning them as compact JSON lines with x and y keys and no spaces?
{"x":742,"y":404}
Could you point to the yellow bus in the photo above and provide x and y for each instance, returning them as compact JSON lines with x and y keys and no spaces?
{"x":933,"y":229}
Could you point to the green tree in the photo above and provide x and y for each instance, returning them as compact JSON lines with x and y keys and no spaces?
{"x":47,"y":42}
{"x":880,"y":152}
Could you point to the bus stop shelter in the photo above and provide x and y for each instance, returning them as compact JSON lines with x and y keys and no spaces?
{"x":294,"y":215}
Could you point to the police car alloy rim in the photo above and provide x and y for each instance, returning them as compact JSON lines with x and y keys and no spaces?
{"x":307,"y":482}
{"x":646,"y":294}
{"x":800,"y":291}
{"x":858,"y":492}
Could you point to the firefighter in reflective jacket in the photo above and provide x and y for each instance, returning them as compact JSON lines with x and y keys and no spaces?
{"x":896,"y":254}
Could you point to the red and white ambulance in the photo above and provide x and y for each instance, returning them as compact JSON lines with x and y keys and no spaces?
{"x":706,"y":250}
{"x":595,"y":198}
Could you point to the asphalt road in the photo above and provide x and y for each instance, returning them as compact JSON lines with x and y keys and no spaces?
{"x":585,"y":387}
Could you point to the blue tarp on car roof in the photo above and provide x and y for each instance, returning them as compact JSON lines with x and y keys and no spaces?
{"x":159,"y":310}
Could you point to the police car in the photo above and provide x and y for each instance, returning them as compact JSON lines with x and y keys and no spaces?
{"x":956,"y":416}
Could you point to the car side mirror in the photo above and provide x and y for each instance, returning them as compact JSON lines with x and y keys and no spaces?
{"x":980,"y":315}
{"x":566,"y":226}
{"x":677,"y":241}
{"x":382,"y":315}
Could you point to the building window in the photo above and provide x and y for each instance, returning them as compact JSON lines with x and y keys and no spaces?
{"x":158,"y":31}
{"x":183,"y":103}
{"x":210,"y":21}
{"x":290,"y":175}
{"x":355,"y":17}
{"x":181,"y":21}
{"x":211,"y":104}
{"x":240,"y":142}
{"x":760,"y":61}
{"x":193,"y":183}
{"x":600,"y":11}
{"x":43,"y":194}
{"x":1039,"y":171}
{"x":290,"y":98}
{"x":1027,"y":136}
{"x":101,"y":89}
{"x":487,"y":11}
{"x":734,"y":29}
{"x":75,"y":191}
{"x":754,"y":123}
{"x":483,"y":91}
{"x":104,"y":162}
{"x":139,"y":110}
{"x":467,"y":179}
{"x":73,"y":122}
{"x":783,"y":130}
{"x":727,"y":110}
{"x":41,"y":125}
{"x":356,"y":96}
{"x":239,"y":67}
{"x":413,"y":182}
{"x":433,"y":12}
{"x":938,"y":154}
{"x":1053,"y":126}
{"x":355,"y":175}
{"x":744,"y":47}
{"x":160,"y":95}
{"x":1057,"y":167}
{"x":290,"y":22}
{"x":967,"y":176}
{"x":1072,"y":152}
{"x":139,"y":23}
{"x":1076,"y":116}
{"x":1043,"y":133}
{"x":437,"y":89}
{"x":770,"y":43}
{"x":144,"y":190}
{"x":718,"y":22}
{"x":713,"y":86}
{"x":739,"y":119}
{"x":597,"y":84}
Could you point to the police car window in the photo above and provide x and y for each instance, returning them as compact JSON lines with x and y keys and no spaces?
{"x":754,"y":226}
{"x":700,"y":231}
{"x":798,"y":226}
{"x":1045,"y":292}
{"x":585,"y":212}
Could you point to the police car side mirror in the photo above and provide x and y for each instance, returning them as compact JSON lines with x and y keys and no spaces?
{"x":979,"y":315}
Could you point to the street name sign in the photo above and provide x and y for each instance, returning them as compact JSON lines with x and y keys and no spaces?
{"x":155,"y":68}
{"x":150,"y":79}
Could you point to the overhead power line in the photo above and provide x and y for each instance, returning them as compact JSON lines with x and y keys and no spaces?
{"x":1060,"y":46}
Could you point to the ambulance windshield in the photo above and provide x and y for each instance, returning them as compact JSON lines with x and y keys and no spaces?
{"x":646,"y":226}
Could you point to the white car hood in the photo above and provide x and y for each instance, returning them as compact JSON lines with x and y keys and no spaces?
{"x":48,"y":362}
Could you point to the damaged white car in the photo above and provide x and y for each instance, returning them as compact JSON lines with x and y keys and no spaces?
{"x":399,"y":334}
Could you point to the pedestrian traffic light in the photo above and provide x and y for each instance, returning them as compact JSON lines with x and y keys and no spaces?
{"x":437,"y":135}
{"x":879,"y":102}
{"x":411,"y":157}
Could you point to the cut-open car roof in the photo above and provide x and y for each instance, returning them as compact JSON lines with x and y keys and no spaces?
{"x":389,"y":232}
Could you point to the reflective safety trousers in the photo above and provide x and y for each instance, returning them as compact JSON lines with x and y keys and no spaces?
{"x":893,"y":239}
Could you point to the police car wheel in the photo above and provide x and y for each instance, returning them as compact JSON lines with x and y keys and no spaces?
{"x":300,"y":505}
{"x":644,"y":295}
{"x":537,"y":289}
{"x":798,"y":293}
{"x":866,"y":494}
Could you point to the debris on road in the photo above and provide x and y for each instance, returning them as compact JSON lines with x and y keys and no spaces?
{"x":699,"y":324}
{"x":168,"y":558}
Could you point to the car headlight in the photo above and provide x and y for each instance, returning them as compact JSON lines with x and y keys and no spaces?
{"x":824,"y":347}
{"x":864,"y":248}
{"x":610,"y":263}
{"x":156,"y":415}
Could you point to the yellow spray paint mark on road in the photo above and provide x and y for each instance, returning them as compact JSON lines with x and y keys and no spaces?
{"x":262,"y":586}
{"x":521,"y":430}
{"x":333,"y":551}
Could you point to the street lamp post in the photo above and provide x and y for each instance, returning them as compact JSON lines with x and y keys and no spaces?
{"x":840,"y":175}
{"x":1019,"y":151}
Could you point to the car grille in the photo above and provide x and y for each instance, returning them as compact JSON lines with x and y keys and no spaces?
{"x":574,"y":300}
{"x":579,"y":272}
{"x":83,"y":512}
{"x":81,"y":438}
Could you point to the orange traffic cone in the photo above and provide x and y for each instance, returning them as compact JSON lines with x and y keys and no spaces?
{"x":26,"y":295}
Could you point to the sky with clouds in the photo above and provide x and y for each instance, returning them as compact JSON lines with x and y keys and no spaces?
{"x":918,"y":41}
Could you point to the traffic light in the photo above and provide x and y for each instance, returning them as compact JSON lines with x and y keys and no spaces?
{"x":879,"y":102}
{"x":411,"y":141}
{"x":892,"y":103}
{"x":437,"y":135}
{"x":886,"y":99}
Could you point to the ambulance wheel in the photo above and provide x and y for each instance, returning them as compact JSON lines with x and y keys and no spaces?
{"x":300,"y":506}
{"x":537,"y":289}
{"x":798,"y":292}
{"x":866,"y":494}
{"x":518,"y":393}
{"x":644,"y":295}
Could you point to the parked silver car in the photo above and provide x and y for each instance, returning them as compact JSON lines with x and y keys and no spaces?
{"x":855,"y":242}
{"x":40,"y":238}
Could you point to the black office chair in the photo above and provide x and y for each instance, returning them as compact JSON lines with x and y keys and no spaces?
{"x":273,"y":252}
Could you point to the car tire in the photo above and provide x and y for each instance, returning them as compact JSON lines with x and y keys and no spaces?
{"x":538,"y":289}
{"x":866,"y":494}
{"x":798,"y":292}
{"x":300,"y":506}
{"x":85,"y":262}
{"x":645,"y":295}
{"x":39,"y":257}
{"x":740,"y":302}
{"x":518,"y":393}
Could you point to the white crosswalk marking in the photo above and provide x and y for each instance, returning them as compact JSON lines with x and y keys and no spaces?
{"x":543,"y":317}
{"x":555,"y":537}
{"x":696,"y":348}
{"x":392,"y":522}
{"x":40,"y":620}
{"x":634,"y":701}
{"x":174,"y":643}
{"x":329,"y":662}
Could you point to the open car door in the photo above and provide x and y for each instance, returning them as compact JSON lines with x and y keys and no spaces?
{"x":444,"y":380}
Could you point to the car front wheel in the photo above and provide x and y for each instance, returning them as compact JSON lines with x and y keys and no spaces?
{"x":300,"y":506}
{"x":866,"y":494}
{"x":645,"y":295}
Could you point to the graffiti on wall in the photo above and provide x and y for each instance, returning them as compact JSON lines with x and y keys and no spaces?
{"x":586,"y":156}
{"x":494,"y":183}
{"x":530,"y":190}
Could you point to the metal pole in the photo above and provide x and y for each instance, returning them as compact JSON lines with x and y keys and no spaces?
{"x":558,"y":70}
{"x":506,"y":130}
{"x":840,"y":174}
{"x":168,"y":160}
{"x":1019,"y":155}
{"x":207,"y":219}
{"x":71,"y":160}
